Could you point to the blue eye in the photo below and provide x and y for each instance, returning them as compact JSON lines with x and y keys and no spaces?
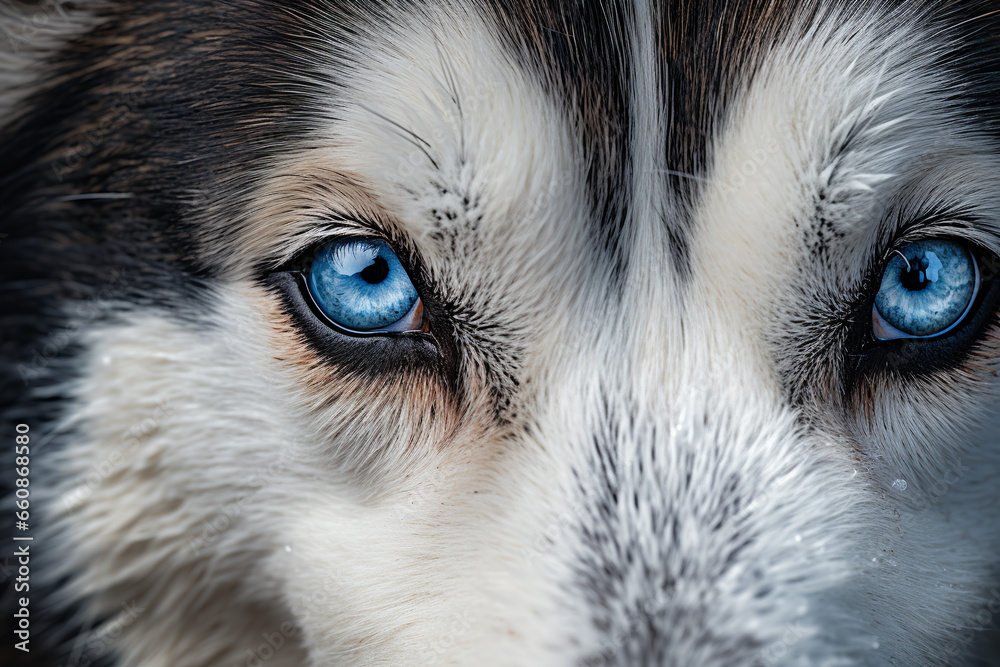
{"x":361,"y":286}
{"x":927,"y":290}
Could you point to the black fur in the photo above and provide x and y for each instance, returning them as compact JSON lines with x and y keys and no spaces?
{"x":151,"y":128}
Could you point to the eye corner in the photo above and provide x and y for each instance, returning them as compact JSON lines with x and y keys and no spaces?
{"x":369,"y":354}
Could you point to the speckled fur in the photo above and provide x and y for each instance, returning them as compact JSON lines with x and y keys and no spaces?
{"x":648,"y":425}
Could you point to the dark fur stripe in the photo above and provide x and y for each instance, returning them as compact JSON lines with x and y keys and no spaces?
{"x":582,"y":51}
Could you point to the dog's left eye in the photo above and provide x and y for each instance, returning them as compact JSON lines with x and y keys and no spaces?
{"x":927,"y":290}
{"x":361,"y":286}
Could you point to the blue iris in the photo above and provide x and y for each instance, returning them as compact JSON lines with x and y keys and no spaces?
{"x":927,"y":288}
{"x":360,"y":285}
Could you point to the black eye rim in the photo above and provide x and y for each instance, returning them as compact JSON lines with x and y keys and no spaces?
{"x":299,"y":266}
{"x":869,"y":356}
{"x":302,"y":280}
{"x":977,"y":260}
{"x":375,"y":353}
{"x":987,"y":264}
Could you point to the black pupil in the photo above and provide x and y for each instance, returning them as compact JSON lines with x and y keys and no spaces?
{"x":375,"y":272}
{"x":914,"y":278}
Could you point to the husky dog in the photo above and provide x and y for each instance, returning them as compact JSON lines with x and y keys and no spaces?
{"x":625,"y":332}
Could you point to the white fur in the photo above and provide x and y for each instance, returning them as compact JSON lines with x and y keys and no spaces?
{"x":460,"y":544}
{"x":29,"y":34}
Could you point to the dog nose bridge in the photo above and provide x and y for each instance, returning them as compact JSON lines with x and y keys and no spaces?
{"x":671,"y":339}
{"x":689,"y":535}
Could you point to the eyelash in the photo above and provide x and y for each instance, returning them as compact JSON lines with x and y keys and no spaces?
{"x":865,"y":355}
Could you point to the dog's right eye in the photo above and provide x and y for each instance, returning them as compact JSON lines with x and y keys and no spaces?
{"x":360,"y":286}
{"x":927,"y":290}
{"x":929,"y":305}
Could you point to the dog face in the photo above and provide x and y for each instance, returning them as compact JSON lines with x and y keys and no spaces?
{"x":652,"y":407}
